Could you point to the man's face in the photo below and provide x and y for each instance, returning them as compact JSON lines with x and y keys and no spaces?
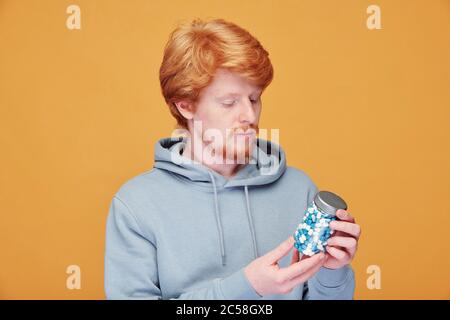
{"x":232,"y":106}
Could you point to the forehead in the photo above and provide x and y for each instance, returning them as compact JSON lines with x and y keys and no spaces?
{"x":226,"y":82}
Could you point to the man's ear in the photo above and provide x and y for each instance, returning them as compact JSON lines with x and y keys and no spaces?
{"x":186,"y":108}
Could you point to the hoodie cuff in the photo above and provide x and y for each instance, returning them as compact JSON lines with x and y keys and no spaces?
{"x":237,"y":287}
{"x":333,"y":278}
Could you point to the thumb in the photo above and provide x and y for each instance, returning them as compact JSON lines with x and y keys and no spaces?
{"x":279,"y":252}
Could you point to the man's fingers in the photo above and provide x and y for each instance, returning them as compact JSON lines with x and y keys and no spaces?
{"x":343,"y":215}
{"x":352,"y":229}
{"x":339,"y":254}
{"x":305,"y":276}
{"x":300,"y":267}
{"x":280,"y":251}
{"x":295,"y":256}
{"x":348,"y":243}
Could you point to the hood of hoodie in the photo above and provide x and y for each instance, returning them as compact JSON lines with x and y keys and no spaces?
{"x":267,"y":164}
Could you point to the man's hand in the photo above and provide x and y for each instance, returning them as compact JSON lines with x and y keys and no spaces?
{"x":343,"y":244}
{"x":266,"y":276}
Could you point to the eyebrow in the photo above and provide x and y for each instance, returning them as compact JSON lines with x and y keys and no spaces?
{"x":233,"y":94}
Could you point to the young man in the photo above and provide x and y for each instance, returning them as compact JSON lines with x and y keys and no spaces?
{"x":202,"y":224}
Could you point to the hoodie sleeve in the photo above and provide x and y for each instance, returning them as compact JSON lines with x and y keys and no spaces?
{"x":329,"y":284}
{"x":131,"y":270}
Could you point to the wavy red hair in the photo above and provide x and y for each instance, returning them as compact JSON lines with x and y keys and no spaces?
{"x":197,"y":49}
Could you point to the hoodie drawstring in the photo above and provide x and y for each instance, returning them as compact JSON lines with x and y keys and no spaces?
{"x":219,"y":223}
{"x":250,"y":222}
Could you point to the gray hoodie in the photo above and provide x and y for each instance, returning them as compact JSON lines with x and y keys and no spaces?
{"x":183,"y":231}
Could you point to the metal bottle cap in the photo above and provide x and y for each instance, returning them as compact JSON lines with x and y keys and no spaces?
{"x":329,"y":203}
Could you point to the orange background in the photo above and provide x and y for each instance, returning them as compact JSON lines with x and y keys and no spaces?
{"x":364,"y":112}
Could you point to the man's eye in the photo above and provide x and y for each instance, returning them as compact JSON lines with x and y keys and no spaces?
{"x":228,"y":103}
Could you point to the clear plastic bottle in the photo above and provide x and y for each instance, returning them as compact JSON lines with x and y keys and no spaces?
{"x":312,"y":234}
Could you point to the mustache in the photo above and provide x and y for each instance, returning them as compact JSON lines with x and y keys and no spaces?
{"x":251,"y":128}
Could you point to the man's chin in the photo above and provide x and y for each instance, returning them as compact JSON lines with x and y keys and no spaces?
{"x":240,"y":156}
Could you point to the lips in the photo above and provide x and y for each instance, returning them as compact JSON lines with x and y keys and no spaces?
{"x":247,"y":133}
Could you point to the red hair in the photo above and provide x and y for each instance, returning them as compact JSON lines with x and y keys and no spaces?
{"x":196,"y":50}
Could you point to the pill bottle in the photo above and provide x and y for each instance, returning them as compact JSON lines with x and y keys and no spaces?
{"x":312,"y":234}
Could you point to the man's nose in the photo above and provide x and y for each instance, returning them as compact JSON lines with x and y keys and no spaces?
{"x":247,"y":112}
